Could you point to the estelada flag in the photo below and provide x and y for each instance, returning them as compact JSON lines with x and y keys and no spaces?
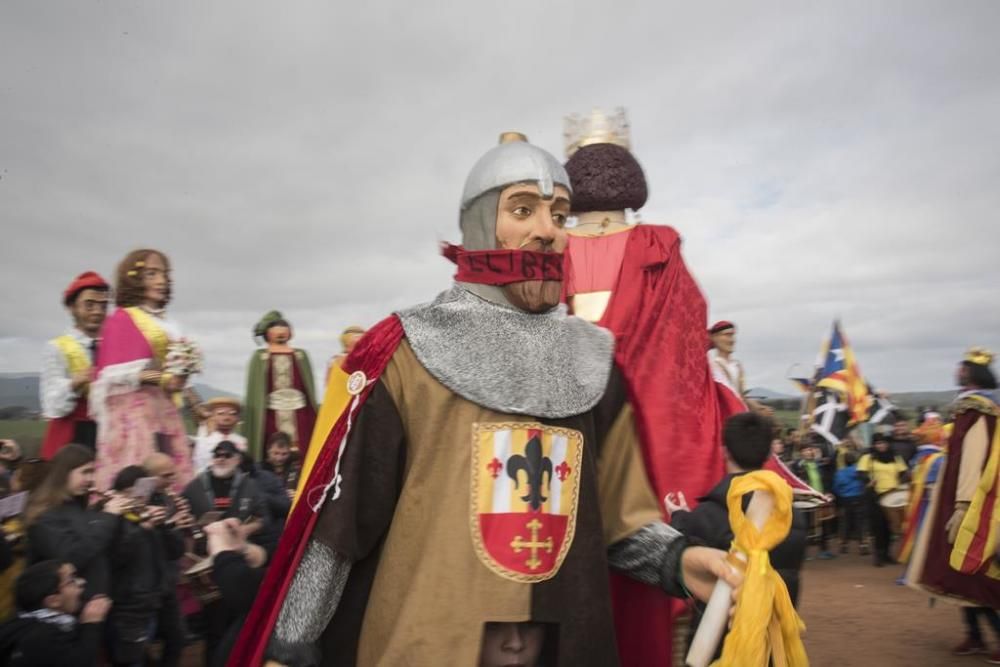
{"x":839,"y":371}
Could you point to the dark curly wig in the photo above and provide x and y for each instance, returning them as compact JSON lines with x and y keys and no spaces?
{"x":606,"y":177}
{"x":129,"y":288}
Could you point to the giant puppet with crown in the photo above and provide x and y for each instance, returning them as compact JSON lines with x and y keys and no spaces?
{"x":631,"y":278}
{"x":956,"y":547}
{"x":280,"y":394}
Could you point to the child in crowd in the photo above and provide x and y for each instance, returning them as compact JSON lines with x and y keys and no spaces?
{"x":747,"y":441}
{"x":850,"y":493}
{"x":817,"y":471}
{"x":47,"y":631}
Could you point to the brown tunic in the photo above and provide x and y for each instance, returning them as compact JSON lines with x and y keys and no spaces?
{"x":429,"y":571}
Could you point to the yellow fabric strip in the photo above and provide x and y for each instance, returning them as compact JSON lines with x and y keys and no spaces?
{"x":763,"y":599}
{"x":153,"y":332}
{"x":970,"y":523}
{"x":916,"y":496}
{"x":335,"y":401}
{"x":77,"y":358}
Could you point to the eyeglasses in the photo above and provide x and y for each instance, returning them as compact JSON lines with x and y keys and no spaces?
{"x":74,"y":580}
{"x":222,"y":455}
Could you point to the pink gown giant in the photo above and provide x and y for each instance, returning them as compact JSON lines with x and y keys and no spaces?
{"x":133,"y":419}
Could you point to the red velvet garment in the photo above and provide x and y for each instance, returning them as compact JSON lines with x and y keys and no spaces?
{"x":305,"y":418}
{"x":659,"y":318}
{"x":937,"y":574}
{"x":371,"y":355}
{"x":60,"y":432}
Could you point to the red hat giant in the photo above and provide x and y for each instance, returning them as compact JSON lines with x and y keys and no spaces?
{"x":720,"y":326}
{"x":86,"y":280}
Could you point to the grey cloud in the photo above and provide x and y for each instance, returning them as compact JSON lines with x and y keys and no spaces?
{"x":820,"y":161}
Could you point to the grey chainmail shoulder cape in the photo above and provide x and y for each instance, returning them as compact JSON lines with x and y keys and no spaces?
{"x":550,"y":365}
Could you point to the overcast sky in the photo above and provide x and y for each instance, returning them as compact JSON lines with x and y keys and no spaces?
{"x":827,"y":162}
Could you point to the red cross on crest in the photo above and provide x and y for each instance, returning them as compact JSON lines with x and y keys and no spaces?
{"x":494,"y":466}
{"x":563,"y":470}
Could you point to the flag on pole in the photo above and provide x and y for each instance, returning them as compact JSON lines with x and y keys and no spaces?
{"x":881,"y":406}
{"x":840,"y":373}
{"x":829,"y":417}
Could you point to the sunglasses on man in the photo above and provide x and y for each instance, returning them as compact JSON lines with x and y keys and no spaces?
{"x":223,"y":455}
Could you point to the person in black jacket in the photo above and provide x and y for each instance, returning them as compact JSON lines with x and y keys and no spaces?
{"x":169,"y":623}
{"x":238,"y":571}
{"x":224,"y":488}
{"x":747,"y":440}
{"x":61,"y":526}
{"x":46,"y":631}
{"x":140,"y":582}
{"x":276,"y":499}
{"x":281,"y":461}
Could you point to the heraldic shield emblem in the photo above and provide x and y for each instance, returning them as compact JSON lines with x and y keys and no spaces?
{"x":525,"y":486}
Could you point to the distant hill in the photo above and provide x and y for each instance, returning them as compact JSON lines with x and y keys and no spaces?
{"x":21,"y":390}
{"x":765,"y":394}
{"x":923,"y":399}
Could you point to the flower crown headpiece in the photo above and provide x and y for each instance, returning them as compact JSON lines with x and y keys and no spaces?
{"x":139,"y":264}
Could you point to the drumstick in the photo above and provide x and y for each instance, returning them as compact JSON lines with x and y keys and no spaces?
{"x":713,"y":621}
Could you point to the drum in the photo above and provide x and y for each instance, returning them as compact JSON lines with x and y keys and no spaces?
{"x":816,"y":512}
{"x":198,"y":578}
{"x":894,"y":507}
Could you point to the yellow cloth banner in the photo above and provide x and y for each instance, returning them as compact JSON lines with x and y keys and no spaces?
{"x":961,"y":558}
{"x":335,"y":401}
{"x":763,"y":601}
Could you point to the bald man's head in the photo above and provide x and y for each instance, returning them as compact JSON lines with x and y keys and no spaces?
{"x":161,"y":467}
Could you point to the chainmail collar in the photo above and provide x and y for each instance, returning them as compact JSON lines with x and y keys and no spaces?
{"x":549,"y":365}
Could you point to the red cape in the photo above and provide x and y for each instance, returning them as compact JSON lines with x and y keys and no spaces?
{"x":371,"y":355}
{"x":659,"y":318}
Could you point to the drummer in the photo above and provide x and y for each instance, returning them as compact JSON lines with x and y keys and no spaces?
{"x":882,"y":471}
{"x":817,"y":470}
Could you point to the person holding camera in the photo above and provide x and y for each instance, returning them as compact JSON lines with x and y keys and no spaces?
{"x":62,"y":526}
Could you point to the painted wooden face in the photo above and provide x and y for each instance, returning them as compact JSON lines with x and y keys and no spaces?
{"x":528,"y":221}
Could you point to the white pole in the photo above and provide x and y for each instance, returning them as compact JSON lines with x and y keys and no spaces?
{"x":714,"y":620}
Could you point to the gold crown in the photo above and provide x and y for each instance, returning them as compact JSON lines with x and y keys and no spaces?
{"x":597,"y":128}
{"x":979,"y":356}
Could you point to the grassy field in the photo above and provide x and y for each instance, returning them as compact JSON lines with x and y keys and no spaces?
{"x":27,"y":432}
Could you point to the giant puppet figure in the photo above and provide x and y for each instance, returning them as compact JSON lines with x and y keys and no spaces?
{"x":280,"y":394}
{"x":632,"y":280}
{"x":956,"y":546}
{"x":143,"y":364}
{"x":67,"y":367}
{"x":483,"y":470}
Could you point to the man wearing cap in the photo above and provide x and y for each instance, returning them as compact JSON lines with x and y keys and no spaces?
{"x":223,"y":416}
{"x":67,"y":363}
{"x":484,"y":468}
{"x":726,"y":369}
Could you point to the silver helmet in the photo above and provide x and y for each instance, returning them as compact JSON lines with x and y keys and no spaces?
{"x":514,"y":161}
